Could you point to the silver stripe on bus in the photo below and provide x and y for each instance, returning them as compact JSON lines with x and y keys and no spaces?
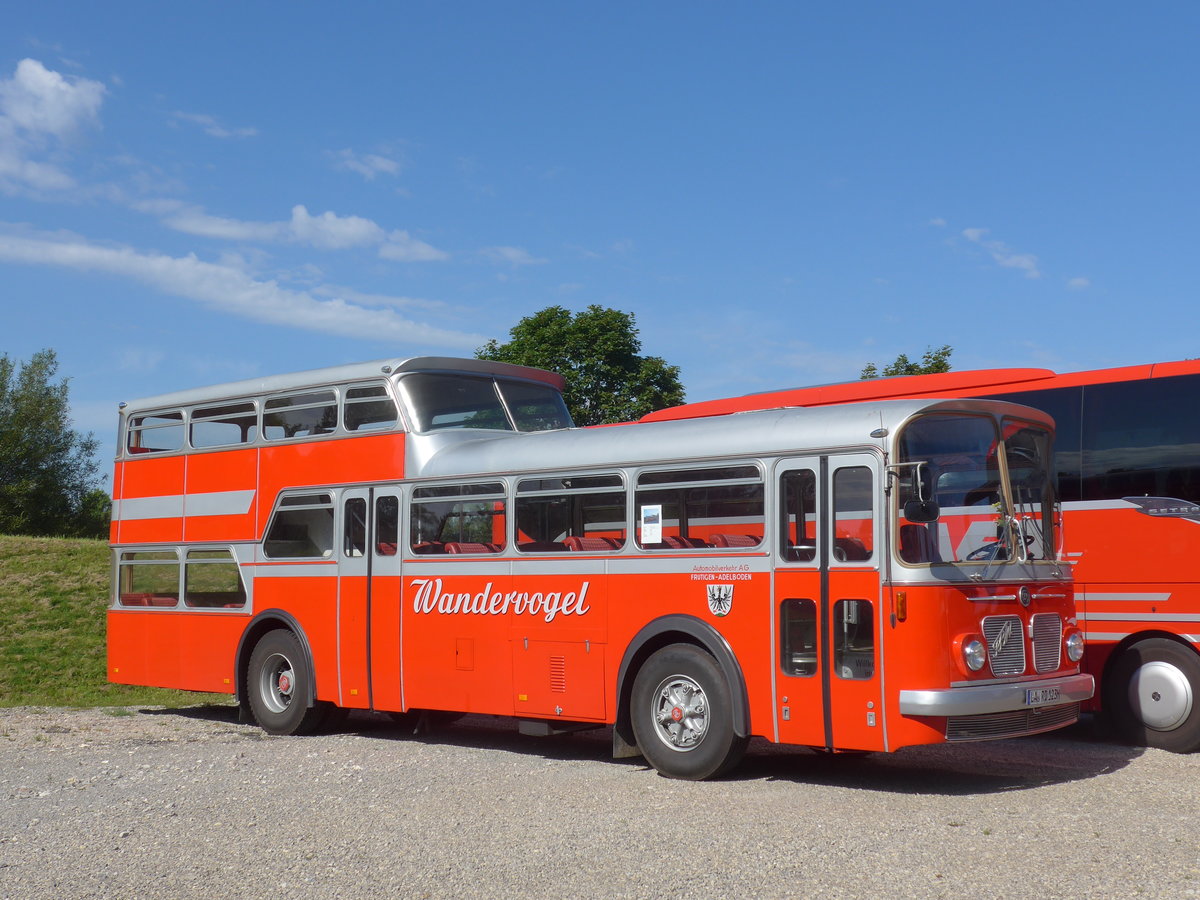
{"x":1102,"y":597}
{"x":172,"y":506}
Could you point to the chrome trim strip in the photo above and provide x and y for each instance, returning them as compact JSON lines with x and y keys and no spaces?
{"x":1120,"y":597}
{"x":172,"y":506}
{"x":992,"y":698}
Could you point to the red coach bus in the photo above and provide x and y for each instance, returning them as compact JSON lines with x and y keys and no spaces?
{"x":432,"y":534}
{"x":1127,"y":462}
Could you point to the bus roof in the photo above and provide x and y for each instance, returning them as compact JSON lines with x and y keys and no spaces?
{"x":764,"y":432}
{"x":943,"y":384}
{"x":273,"y":384}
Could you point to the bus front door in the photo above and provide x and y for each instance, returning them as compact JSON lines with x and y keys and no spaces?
{"x":827,"y":677}
{"x":368,"y":608}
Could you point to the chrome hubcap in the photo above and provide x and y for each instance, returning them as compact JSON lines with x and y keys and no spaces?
{"x":1161,"y":695}
{"x":277,"y":683}
{"x":680,"y":712}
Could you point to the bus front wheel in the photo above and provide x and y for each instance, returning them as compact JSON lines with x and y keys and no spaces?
{"x":682,"y":714}
{"x":279,"y":685}
{"x":1153,"y":695}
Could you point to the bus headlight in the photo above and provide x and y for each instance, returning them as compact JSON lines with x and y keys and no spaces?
{"x":1074,"y":645}
{"x":974,"y":653}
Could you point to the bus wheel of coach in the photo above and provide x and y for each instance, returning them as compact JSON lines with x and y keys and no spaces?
{"x":279,"y":685}
{"x":1152,"y":695}
{"x":682,"y":714}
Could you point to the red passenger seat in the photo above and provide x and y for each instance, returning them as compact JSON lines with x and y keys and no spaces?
{"x":467,"y":547}
{"x":591,"y":544}
{"x":735,"y":540}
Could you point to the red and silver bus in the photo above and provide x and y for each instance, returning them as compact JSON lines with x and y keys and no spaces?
{"x":431,"y":534}
{"x":1127,"y":461}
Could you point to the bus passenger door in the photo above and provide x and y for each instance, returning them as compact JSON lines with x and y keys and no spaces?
{"x":827,"y":591}
{"x":368,"y":609}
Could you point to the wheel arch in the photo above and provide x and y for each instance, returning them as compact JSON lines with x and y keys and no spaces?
{"x":659,"y":633}
{"x":1128,"y":642}
{"x":267,"y":621}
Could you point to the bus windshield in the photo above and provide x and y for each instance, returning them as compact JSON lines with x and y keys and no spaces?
{"x":438,"y":401}
{"x":954,"y":461}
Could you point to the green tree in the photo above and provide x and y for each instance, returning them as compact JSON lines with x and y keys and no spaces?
{"x":932,"y":362}
{"x":597,"y":351}
{"x":48,"y":472}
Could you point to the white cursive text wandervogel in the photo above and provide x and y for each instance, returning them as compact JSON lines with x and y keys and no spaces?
{"x":428,"y":597}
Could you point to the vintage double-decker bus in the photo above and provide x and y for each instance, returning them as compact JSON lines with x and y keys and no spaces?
{"x":1127,"y":465}
{"x":432,"y":534}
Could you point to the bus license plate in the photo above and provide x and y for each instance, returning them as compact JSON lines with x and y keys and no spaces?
{"x":1040,"y":696}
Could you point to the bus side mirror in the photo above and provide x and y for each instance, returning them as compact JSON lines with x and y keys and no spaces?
{"x":921,"y":511}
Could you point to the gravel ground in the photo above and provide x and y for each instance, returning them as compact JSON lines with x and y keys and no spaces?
{"x":188,"y":803}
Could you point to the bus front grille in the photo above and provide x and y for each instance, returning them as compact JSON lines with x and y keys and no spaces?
{"x":1047,"y":642}
{"x":1006,"y":644}
{"x":1014,"y":723}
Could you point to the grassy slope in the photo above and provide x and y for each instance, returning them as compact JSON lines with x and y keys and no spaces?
{"x":53,"y":594}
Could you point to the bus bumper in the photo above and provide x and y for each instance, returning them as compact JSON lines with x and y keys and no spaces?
{"x":974,"y":700}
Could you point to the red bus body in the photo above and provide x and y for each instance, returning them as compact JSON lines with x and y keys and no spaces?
{"x":1128,"y":467}
{"x":305,"y":552}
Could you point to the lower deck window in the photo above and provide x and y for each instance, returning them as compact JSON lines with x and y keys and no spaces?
{"x":149,"y":578}
{"x":302,"y":528}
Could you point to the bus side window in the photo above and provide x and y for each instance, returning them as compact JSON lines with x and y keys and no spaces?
{"x":853,"y":639}
{"x":302,"y":527}
{"x":578,"y":513}
{"x":798,"y":636}
{"x":354,"y":527}
{"x":387,"y":525}
{"x":458,"y":519}
{"x":798,"y":534}
{"x":697,"y":508}
{"x":853,"y":515}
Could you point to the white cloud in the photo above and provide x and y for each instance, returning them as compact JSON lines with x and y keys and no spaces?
{"x":367,"y":165}
{"x":191,"y":220}
{"x":40,"y":110}
{"x":331,"y":231}
{"x":327,"y":231}
{"x":212,"y":127}
{"x":40,"y":101}
{"x":1079,"y":284}
{"x":227,"y":289}
{"x":401,"y":246}
{"x":514,"y":256}
{"x":1002,"y":255}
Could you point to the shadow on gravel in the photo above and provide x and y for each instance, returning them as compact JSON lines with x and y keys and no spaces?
{"x":990,"y":767}
{"x":208,"y":712}
{"x":1072,"y":754}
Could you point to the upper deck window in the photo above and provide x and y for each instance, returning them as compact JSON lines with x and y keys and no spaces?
{"x":155,"y":432}
{"x":441,"y":401}
{"x":300,"y":415}
{"x":368,"y":408}
{"x":220,"y":426}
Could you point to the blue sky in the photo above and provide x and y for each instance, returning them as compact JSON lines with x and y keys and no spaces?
{"x":780,"y":192}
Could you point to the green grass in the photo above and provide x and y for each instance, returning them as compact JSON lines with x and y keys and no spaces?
{"x":53,"y":596}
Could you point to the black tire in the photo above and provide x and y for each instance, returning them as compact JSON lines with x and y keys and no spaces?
{"x":279,"y":684}
{"x":682,"y":715}
{"x":1152,"y":695}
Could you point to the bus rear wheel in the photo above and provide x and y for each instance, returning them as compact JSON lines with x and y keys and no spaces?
{"x":682,"y":715}
{"x":279,"y":684}
{"x":1152,"y":695}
